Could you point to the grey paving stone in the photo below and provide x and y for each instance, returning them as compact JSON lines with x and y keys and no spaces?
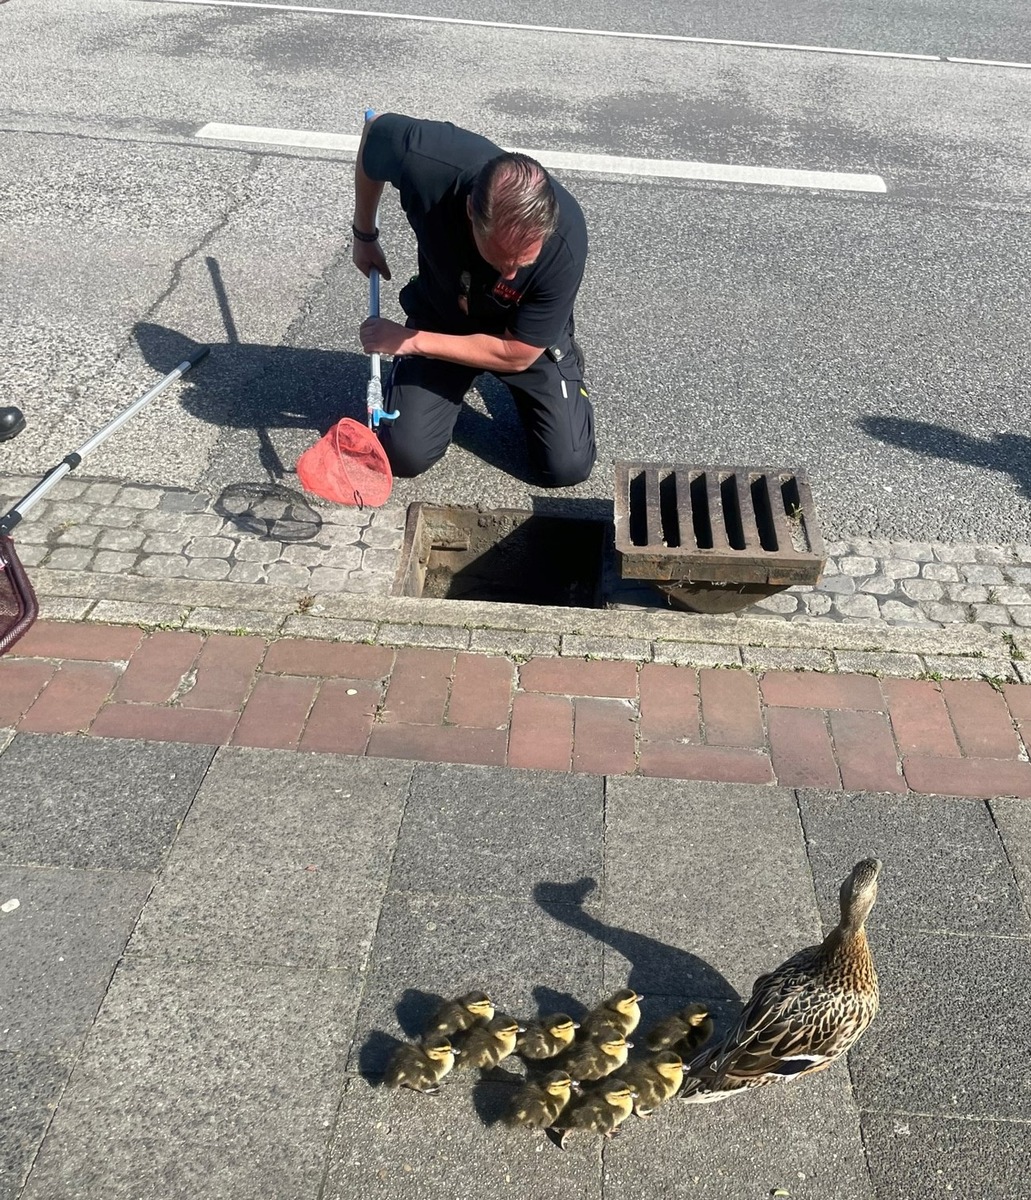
{"x":84,"y":802}
{"x":776,"y":659}
{"x":528,"y":958}
{"x":398,"y":1144}
{"x":30,"y":1084}
{"x":903,"y":666}
{"x":802,"y":1138}
{"x":1013,"y":819}
{"x":959,"y":667}
{"x":915,"y":1156}
{"x":677,"y":928}
{"x":696,"y":654}
{"x":202,"y":1082}
{"x":473,"y":831}
{"x":951,"y":1036}
{"x":69,"y":558}
{"x":59,"y":948}
{"x":945,"y":867}
{"x":283,"y":859}
{"x":445,"y":637}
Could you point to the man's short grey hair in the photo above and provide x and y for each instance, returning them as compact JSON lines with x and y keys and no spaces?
{"x":514,"y":201}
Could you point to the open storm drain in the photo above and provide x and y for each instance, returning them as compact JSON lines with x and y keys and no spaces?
{"x":504,"y":555}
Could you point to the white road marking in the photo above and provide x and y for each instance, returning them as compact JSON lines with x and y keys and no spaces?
{"x":571,"y":30}
{"x":989,"y":62}
{"x":605,"y":164}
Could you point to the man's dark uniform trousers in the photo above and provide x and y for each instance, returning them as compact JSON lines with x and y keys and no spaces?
{"x":433,"y":164}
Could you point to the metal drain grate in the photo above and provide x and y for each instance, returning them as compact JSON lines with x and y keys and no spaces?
{"x":717,"y":524}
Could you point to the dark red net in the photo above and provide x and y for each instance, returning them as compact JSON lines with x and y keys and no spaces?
{"x":18,"y":607}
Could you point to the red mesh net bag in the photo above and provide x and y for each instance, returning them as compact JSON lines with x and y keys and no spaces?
{"x":348,"y":466}
{"x":18,"y":607}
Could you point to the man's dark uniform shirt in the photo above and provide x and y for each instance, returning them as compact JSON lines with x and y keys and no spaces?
{"x":433,"y":165}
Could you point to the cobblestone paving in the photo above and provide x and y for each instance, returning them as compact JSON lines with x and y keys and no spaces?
{"x":265,"y":534}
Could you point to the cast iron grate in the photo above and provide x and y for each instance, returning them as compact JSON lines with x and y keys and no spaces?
{"x":717,"y":524}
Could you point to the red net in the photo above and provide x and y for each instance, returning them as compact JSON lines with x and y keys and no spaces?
{"x":348,"y":466}
{"x":18,"y":607}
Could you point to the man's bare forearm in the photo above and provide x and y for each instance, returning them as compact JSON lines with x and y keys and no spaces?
{"x":474,"y":350}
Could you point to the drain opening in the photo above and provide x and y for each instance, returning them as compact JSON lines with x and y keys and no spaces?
{"x":762,"y":506}
{"x":504,"y":556}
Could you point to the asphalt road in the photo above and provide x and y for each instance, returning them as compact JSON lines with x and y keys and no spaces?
{"x":878,"y":339}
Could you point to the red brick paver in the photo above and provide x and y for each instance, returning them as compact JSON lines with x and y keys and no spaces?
{"x":730,"y":709}
{"x":984,"y":727}
{"x":419,"y":685}
{"x":805,"y":729}
{"x":919,"y":717}
{"x":72,"y":698}
{"x":481,"y":692}
{"x":541,"y":734}
{"x":801,"y":749}
{"x":810,"y":689}
{"x":276,"y":713}
{"x":158,"y":668}
{"x":577,"y":677}
{"x":669,"y":703}
{"x":603,"y":736}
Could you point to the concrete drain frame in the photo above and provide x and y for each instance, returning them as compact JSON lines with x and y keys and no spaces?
{"x":716,"y":539}
{"x":501,"y":555}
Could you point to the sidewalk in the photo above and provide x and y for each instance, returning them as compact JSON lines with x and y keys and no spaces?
{"x":794,"y":729}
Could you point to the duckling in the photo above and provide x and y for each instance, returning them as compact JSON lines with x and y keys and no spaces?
{"x":486,"y":1045}
{"x":600,"y":1111}
{"x":537,"y":1105}
{"x":420,"y":1067}
{"x":456,"y":1016}
{"x":655,"y":1080}
{"x":685,"y":1031}
{"x":804,"y":1015}
{"x":547,"y":1037}
{"x":604,"y":1052}
{"x":621,"y":1010}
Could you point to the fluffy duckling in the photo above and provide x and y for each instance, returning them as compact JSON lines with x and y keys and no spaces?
{"x":420,"y":1067}
{"x":604,"y":1052}
{"x":621,"y":1010}
{"x":486,"y":1045}
{"x":655,"y":1080}
{"x":600,"y":1111}
{"x":547,"y":1037}
{"x":537,"y":1105}
{"x":685,"y":1031}
{"x":804,"y":1015}
{"x":456,"y":1016}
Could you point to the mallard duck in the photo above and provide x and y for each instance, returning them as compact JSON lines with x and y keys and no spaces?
{"x":606,"y":1051}
{"x":621,"y":1011}
{"x":538,"y":1104}
{"x":456,"y":1016}
{"x":804,"y":1015}
{"x":685,"y":1031}
{"x":600,"y":1111}
{"x":655,"y":1080}
{"x":547,"y":1037}
{"x":486,"y":1045}
{"x":420,"y":1067}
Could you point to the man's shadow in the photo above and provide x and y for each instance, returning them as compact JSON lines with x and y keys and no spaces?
{"x":1008,"y":453}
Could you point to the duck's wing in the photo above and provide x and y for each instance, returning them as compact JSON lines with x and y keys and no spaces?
{"x":792,"y":1024}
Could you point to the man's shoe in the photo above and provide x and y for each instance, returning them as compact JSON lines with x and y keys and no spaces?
{"x":11,"y":423}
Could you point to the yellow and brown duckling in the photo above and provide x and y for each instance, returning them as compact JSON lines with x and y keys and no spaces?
{"x":622,"y":1010}
{"x":547,"y":1037}
{"x":655,"y":1080}
{"x":804,"y":1015}
{"x":601,"y":1110}
{"x":538,"y":1104}
{"x":604,"y":1052}
{"x":422,"y":1066}
{"x":486,"y":1045}
{"x":685,"y":1031}
{"x":456,"y":1016}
